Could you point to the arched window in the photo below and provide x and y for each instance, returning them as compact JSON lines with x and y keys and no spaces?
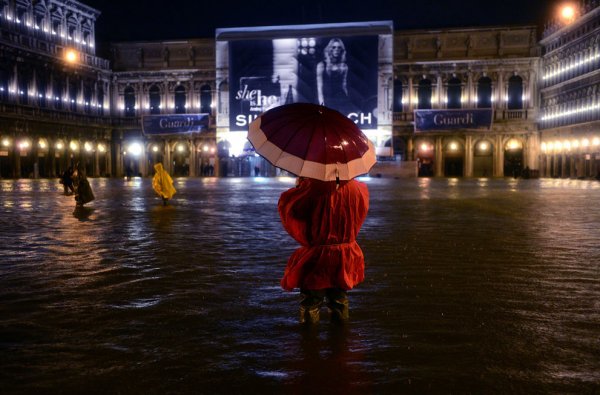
{"x":129,"y":98}
{"x":87,"y":98}
{"x":424,"y":94}
{"x":180,"y":100}
{"x":484,"y":92}
{"x":23,"y":87}
{"x":4,"y":77}
{"x":73,"y":95}
{"x":515,"y":93}
{"x":454,"y":93}
{"x":154,"y":99}
{"x":57,"y":93}
{"x":100,"y":101}
{"x":397,"y":95}
{"x":42,"y":87}
{"x":205,"y":99}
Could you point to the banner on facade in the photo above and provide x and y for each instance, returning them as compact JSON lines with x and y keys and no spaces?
{"x":476,"y":118}
{"x":174,"y":123}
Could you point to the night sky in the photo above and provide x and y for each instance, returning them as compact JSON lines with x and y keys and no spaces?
{"x":128,"y":20}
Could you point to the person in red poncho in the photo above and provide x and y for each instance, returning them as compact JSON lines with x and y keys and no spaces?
{"x":324,"y":217}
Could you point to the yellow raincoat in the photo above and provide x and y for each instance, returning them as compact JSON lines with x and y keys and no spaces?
{"x":162,"y":182}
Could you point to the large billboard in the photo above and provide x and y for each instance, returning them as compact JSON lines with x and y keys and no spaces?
{"x":340,"y":72}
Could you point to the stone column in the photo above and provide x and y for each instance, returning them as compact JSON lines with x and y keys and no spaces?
{"x":96,"y":163}
{"x":193,"y":159}
{"x":439,"y":91}
{"x":498,"y":157}
{"x":411,"y":105}
{"x":167,"y":153}
{"x":438,"y":172}
{"x":468,"y":156}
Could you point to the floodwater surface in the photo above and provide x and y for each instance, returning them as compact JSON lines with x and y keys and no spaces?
{"x":472,"y":286}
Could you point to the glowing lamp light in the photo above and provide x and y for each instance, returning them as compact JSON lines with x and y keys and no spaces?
{"x":558,"y":145}
{"x":135,"y":149}
{"x":74,"y":146}
{"x":59,"y":146}
{"x":101,"y":148}
{"x":513,"y":144}
{"x":205,"y":148}
{"x":5,"y":142}
{"x":483,"y":146}
{"x":567,"y":13}
{"x":212,"y":150}
{"x":424,"y":147}
{"x":543,"y":147}
{"x":42,"y":144}
{"x":180,"y":148}
{"x":154,"y":148}
{"x":575,"y":144}
{"x":567,"y":145}
{"x":596,"y":141}
{"x":88,"y":146}
{"x":24,"y":144}
{"x":71,"y":56}
{"x":550,"y":146}
{"x":585,"y":143}
{"x":453,"y":146}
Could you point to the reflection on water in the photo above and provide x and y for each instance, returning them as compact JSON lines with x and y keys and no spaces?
{"x":472,"y":286}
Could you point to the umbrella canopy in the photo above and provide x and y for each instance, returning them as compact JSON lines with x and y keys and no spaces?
{"x":312,"y":141}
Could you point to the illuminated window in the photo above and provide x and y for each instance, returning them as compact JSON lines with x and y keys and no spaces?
{"x":424,"y":94}
{"x":129,"y":98}
{"x":484,"y":92}
{"x":154,"y":96}
{"x":454,"y":93}
{"x":515,"y":93}
{"x":205,"y":99}
{"x":180,"y":99}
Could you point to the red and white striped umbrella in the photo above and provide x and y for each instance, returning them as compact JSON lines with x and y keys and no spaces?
{"x":312,"y":141}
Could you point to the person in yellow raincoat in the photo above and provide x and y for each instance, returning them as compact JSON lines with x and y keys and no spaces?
{"x":163,"y":183}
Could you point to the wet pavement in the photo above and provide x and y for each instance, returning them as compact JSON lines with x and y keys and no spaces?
{"x":472,"y":286}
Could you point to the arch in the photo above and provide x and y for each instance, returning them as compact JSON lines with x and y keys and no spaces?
{"x":483,"y":158}
{"x":205,"y":99}
{"x":453,"y":151}
{"x":424,"y":94}
{"x":513,"y":157}
{"x":129,"y":99}
{"x":180,"y":99}
{"x":154,"y":99}
{"x":484,"y":92}
{"x":515,"y":93}
{"x":425,"y":157}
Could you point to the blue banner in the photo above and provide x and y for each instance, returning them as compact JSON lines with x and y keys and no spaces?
{"x":476,"y":118}
{"x":174,"y":123}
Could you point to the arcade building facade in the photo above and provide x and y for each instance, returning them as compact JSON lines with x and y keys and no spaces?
{"x":61,"y":104}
